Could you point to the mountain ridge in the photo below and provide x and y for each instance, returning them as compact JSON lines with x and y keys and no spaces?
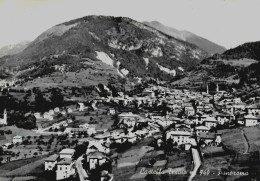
{"x":14,"y":48}
{"x":126,"y":47}
{"x":187,"y":36}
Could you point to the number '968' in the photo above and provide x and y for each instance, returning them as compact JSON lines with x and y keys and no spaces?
{"x":204,"y":172}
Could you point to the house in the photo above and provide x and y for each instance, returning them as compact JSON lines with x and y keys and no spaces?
{"x":50,"y":162}
{"x":65,"y":168}
{"x":210,"y":122}
{"x":224,"y":118}
{"x":96,"y":159}
{"x":111,"y":111}
{"x":148,"y":92}
{"x":17,"y":139}
{"x":253,"y":109}
{"x":81,"y":106}
{"x":179,"y":137}
{"x":128,"y":119}
{"x":189,"y":110}
{"x":201,"y":129}
{"x":69,"y":110}
{"x":251,"y":120}
{"x":67,"y":153}
{"x":209,"y":139}
{"x":3,"y":121}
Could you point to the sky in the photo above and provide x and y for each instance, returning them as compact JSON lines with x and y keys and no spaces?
{"x":226,"y":22}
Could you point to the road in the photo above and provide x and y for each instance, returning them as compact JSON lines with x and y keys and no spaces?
{"x":81,"y":171}
{"x":196,"y":163}
{"x":246,"y":142}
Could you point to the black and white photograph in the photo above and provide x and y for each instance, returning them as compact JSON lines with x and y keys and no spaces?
{"x":129,"y":90}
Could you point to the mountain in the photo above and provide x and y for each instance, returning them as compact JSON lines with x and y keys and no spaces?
{"x":239,"y":65}
{"x":96,"y":49}
{"x":14,"y":48}
{"x":203,"y":43}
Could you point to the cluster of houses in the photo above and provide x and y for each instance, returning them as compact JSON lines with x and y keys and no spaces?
{"x":185,"y":117}
{"x":191,"y":118}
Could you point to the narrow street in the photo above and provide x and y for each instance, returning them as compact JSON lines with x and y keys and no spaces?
{"x":81,"y":171}
{"x":196,"y":163}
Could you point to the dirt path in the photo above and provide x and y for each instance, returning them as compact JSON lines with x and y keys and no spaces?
{"x":246,"y":141}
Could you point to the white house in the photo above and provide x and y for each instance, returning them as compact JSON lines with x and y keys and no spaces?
{"x":111,"y":111}
{"x":210,"y":122}
{"x":251,"y":120}
{"x":179,"y":137}
{"x":201,"y":129}
{"x":96,"y":158}
{"x":81,"y":106}
{"x":50,"y":162}
{"x":253,"y":109}
{"x":65,"y":168}
{"x":17,"y":139}
{"x":128,"y":119}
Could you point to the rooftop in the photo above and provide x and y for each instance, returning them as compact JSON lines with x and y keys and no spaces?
{"x":52,"y":158}
{"x":67,"y":151}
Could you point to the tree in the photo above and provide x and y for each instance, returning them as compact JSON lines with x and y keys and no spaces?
{"x":1,"y":151}
{"x":57,"y":99}
{"x":80,"y":150}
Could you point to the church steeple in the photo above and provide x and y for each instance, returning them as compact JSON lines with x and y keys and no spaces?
{"x":3,"y":121}
{"x":217,"y":89}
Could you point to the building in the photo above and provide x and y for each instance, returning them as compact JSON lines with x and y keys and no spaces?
{"x":17,"y":139}
{"x":251,"y":120}
{"x":111,"y":111}
{"x":179,"y":137}
{"x":3,"y":121}
{"x":65,"y":168}
{"x":81,"y":106}
{"x":253,"y":109}
{"x":224,"y":118}
{"x":210,"y":122}
{"x":201,"y":129}
{"x":96,"y":159}
{"x":128,"y":119}
{"x":50,"y":162}
{"x":209,"y":139}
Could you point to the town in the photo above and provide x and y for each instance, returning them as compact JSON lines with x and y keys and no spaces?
{"x":157,"y":133}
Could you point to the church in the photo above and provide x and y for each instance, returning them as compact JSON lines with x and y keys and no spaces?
{"x":3,"y":119}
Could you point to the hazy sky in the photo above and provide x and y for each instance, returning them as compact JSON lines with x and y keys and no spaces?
{"x":226,"y":22}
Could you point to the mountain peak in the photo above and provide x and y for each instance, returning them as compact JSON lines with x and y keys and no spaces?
{"x":94,"y":49}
